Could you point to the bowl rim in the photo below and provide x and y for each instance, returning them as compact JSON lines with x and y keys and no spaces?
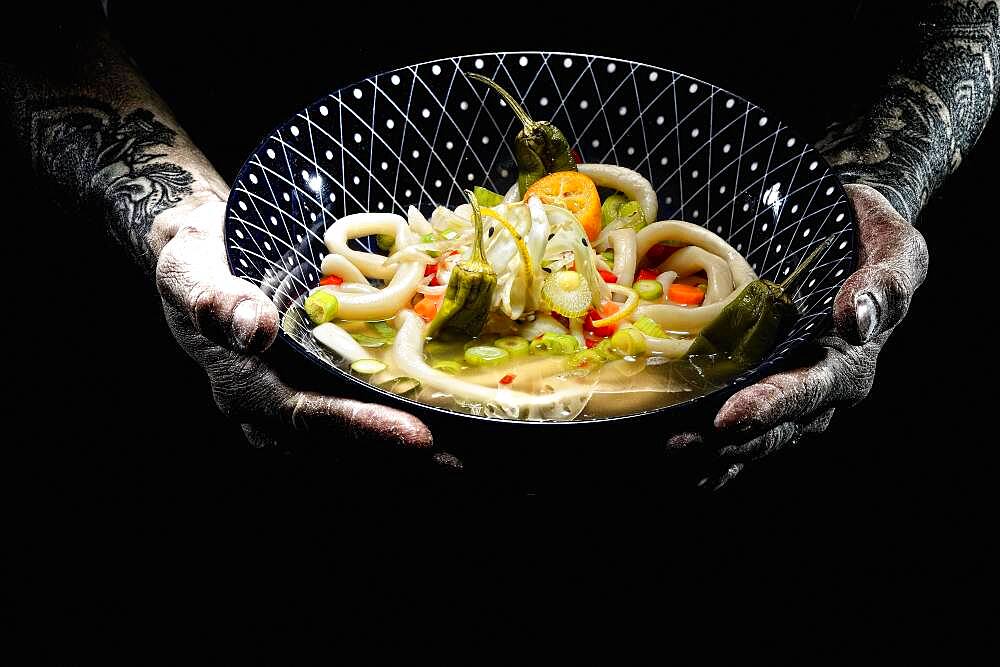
{"x":743,"y":381}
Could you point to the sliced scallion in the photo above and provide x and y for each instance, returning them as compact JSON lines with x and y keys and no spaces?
{"x":629,"y":342}
{"x":368,"y":366}
{"x":515,"y":346}
{"x":321,"y":306}
{"x":650,"y":290}
{"x":485,"y":355}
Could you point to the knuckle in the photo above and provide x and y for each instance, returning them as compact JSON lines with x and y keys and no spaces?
{"x":203,"y":302}
{"x":191,"y":231}
{"x":897,"y":290}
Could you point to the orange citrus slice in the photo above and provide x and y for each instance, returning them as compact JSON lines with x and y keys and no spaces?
{"x":574,"y":191}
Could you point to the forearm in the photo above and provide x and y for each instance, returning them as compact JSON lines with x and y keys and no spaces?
{"x":932,"y":110}
{"x":104,"y":144}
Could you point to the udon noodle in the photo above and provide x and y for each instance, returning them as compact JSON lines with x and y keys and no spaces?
{"x":646,"y":290}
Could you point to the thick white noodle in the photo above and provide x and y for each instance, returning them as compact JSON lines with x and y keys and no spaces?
{"x":623,"y":243}
{"x":685,"y":232}
{"x":338,"y":340}
{"x":683,"y":318}
{"x":674,"y":348}
{"x":404,"y":278}
{"x":348,"y":288}
{"x":626,"y":180}
{"x":432,"y":290}
{"x":408,"y":355}
{"x":386,"y":302}
{"x":364,"y":224}
{"x":691,"y":260}
{"x":666,"y":279}
{"x":338,"y":265}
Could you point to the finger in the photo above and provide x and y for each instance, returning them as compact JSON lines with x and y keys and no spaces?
{"x":784,"y":435}
{"x":719,"y":479}
{"x":843,"y":375}
{"x":354,"y":421}
{"x":763,"y":445}
{"x":247,"y":390}
{"x":192,"y":275}
{"x":894,"y":263}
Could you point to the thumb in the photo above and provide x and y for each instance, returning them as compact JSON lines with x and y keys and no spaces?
{"x":894,"y":263}
{"x":192,"y":276}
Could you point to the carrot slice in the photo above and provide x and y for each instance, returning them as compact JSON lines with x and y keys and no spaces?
{"x":428,"y":307}
{"x":686,"y":294}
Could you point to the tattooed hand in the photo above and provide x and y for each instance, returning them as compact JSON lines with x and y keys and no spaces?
{"x":782,"y":408}
{"x":224,"y":322}
{"x":166,"y":205}
{"x":930,"y":115}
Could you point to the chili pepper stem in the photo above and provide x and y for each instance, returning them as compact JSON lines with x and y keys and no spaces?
{"x":508,"y":98}
{"x":791,"y":282}
{"x":477,"y":219}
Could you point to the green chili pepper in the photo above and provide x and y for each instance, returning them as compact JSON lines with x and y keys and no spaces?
{"x":469,"y":295}
{"x":750,"y":325}
{"x":540,"y":148}
{"x":610,"y":207}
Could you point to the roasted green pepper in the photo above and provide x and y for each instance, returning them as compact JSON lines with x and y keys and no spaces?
{"x":540,"y":148}
{"x":750,"y":325}
{"x":469,"y":294}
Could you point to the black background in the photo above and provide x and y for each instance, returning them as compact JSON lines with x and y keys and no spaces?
{"x":149,"y":522}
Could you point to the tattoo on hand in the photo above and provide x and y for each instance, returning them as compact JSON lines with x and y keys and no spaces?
{"x":932,"y":111}
{"x":111,"y":164}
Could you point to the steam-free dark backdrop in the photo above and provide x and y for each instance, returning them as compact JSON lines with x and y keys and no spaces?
{"x":142,"y":498}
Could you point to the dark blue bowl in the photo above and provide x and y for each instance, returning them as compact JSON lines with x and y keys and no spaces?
{"x":420,"y":134}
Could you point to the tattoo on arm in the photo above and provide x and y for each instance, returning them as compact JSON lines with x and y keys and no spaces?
{"x":110,"y":164}
{"x":931,"y":112}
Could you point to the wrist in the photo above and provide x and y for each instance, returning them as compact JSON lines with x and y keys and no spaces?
{"x":204,"y":209}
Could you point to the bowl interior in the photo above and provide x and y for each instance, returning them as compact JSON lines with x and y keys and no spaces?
{"x":420,"y":134}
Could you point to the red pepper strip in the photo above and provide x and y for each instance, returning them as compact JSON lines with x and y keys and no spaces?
{"x":608,"y":276}
{"x":646,"y":274}
{"x":576,"y":155}
{"x":660,"y":252}
{"x":507,"y":379}
{"x":591,"y":342}
{"x":430,"y":270}
{"x":607,"y":310}
{"x":331,"y":280}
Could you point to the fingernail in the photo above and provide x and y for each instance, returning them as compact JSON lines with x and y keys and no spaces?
{"x":245,"y":319}
{"x":866,"y":311}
